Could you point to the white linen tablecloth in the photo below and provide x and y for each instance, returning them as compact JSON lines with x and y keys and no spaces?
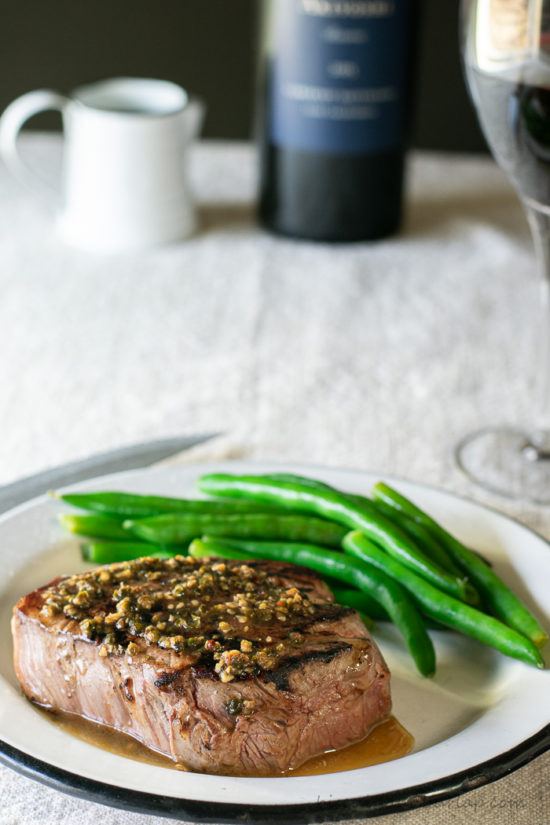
{"x":377,"y":356}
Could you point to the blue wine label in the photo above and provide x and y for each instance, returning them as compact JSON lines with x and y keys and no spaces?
{"x":339,"y":74}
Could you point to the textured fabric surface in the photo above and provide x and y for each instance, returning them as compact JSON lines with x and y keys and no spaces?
{"x":376,"y":356}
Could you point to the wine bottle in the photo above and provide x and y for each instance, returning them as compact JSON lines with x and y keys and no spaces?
{"x":333,"y":114}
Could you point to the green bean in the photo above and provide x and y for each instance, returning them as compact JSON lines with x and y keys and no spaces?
{"x":352,"y":571}
{"x":329,"y":503}
{"x":360,"y":601}
{"x":497,"y":595}
{"x":207,"y":547}
{"x":176,"y":528}
{"x":100,"y":527}
{"x":445,"y":609}
{"x":311,"y":482}
{"x":132,"y":505}
{"x":108,"y":552}
{"x":424,"y":538}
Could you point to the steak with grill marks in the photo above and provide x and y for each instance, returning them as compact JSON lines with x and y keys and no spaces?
{"x":228,"y":667}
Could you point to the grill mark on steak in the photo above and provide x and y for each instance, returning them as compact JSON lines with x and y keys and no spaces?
{"x":280,"y":676}
{"x":318,"y":684}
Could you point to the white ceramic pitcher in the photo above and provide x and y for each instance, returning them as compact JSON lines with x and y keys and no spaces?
{"x":124,"y":166}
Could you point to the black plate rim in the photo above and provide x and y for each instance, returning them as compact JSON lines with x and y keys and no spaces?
{"x":404,"y":799}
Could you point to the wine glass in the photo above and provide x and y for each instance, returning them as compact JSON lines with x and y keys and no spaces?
{"x":506,"y":53}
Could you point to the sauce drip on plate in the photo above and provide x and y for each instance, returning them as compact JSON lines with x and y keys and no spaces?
{"x":388,"y":740}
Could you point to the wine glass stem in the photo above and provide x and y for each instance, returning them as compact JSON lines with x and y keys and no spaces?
{"x":539,"y":223}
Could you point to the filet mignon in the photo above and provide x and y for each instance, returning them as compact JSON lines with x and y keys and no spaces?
{"x":228,"y":667}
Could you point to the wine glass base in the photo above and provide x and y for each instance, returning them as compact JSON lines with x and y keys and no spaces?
{"x":504,"y":461}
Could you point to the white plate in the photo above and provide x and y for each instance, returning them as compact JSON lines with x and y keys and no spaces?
{"x":481,"y":716}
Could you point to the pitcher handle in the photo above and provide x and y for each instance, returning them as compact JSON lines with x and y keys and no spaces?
{"x":12,"y":121}
{"x":194,"y":115}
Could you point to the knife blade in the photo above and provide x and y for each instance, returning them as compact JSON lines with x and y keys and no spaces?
{"x":124,"y":458}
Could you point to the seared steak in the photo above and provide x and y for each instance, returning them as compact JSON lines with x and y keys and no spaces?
{"x":227,"y":667}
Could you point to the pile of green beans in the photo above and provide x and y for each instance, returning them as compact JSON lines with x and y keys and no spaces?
{"x":383,"y":556}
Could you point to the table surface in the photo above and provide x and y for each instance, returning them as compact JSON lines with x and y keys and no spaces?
{"x":377,"y":356}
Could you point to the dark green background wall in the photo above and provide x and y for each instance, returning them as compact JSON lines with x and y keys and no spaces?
{"x":209,"y":47}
